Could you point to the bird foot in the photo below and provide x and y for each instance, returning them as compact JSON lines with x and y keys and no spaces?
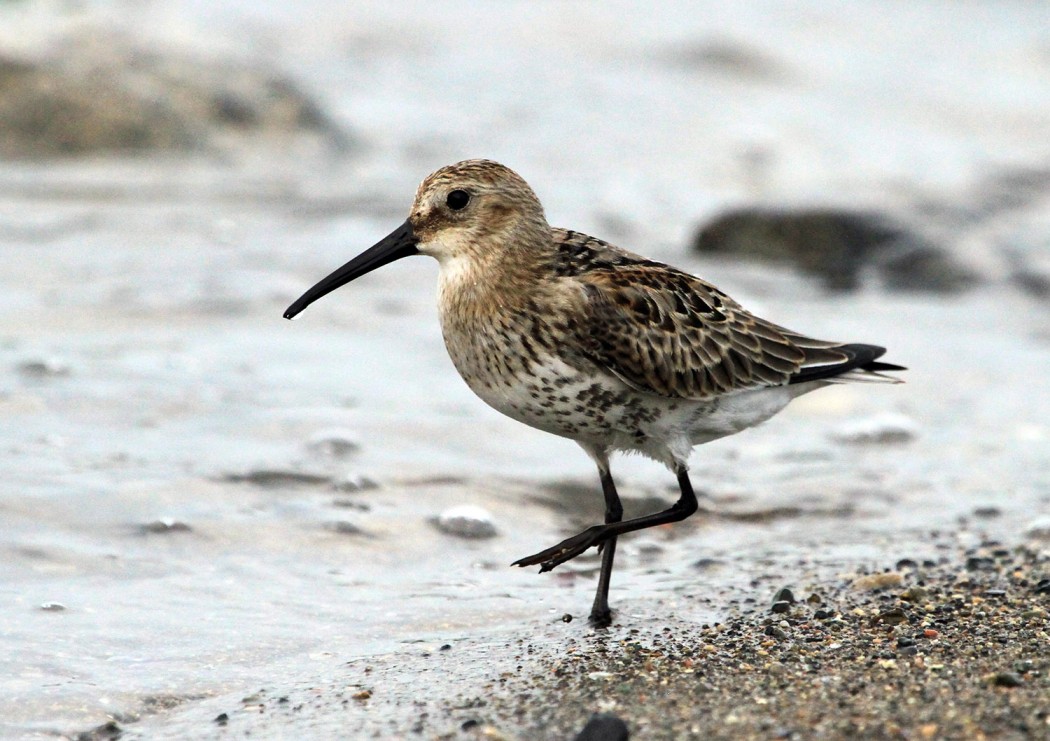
{"x":566,"y":550}
{"x":600,"y":618}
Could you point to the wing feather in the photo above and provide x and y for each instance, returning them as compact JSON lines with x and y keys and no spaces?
{"x":666,"y":332}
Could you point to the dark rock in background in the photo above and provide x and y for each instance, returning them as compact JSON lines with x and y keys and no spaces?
{"x":108,"y":97}
{"x":836,"y":246}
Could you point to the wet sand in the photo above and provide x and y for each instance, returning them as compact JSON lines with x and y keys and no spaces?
{"x":218,"y":523}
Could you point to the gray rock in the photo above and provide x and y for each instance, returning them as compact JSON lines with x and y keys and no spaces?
{"x":837,"y":247}
{"x":103,"y":94}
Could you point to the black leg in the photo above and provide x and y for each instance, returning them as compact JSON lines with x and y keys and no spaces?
{"x":601,"y":615}
{"x":572,"y":547}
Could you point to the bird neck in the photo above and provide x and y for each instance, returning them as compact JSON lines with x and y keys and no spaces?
{"x":493,"y":280}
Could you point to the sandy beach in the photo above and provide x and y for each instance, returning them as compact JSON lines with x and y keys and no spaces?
{"x":217,"y":523}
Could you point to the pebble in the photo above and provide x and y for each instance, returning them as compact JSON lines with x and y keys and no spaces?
{"x":780,"y":607}
{"x":894,"y":616}
{"x":343,"y":527}
{"x":914,"y":594}
{"x":466,"y":521}
{"x":106,"y":732}
{"x":44,"y":368}
{"x":1007,"y":679}
{"x":784,"y":594}
{"x":333,"y":443}
{"x":869,"y":582}
{"x":880,"y":429}
{"x":604,"y":727}
{"x":52,"y":607}
{"x":166,"y":525}
{"x":1038,"y":529}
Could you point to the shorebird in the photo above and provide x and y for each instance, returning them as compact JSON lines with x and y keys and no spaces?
{"x":574,"y":336}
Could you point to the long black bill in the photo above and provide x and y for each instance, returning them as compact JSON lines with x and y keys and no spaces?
{"x":399,"y":243}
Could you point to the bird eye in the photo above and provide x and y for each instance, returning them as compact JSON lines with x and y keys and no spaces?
{"x":457,"y":200}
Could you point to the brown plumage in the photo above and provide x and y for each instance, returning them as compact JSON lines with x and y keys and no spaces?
{"x":572,"y":335}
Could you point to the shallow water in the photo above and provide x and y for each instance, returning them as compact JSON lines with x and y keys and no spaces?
{"x":145,"y":366}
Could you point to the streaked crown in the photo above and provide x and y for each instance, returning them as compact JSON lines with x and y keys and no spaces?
{"x":475,"y":207}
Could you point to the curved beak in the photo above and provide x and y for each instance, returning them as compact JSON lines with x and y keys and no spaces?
{"x":399,"y":243}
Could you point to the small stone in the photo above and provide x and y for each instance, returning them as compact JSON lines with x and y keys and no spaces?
{"x":779,"y":633}
{"x":1038,"y":529}
{"x":987,"y":512}
{"x":106,"y":732}
{"x":906,"y":563}
{"x":343,"y":527}
{"x":883,"y":580}
{"x":566,"y":618}
{"x":784,"y":594}
{"x":362,"y":695}
{"x":466,"y":521}
{"x":914,"y":594}
{"x":52,"y":607}
{"x":930,"y":633}
{"x":895,"y":616}
{"x":604,"y":727}
{"x":44,"y":368}
{"x":881,"y":429}
{"x":334,"y":443}
{"x":814,"y":599}
{"x":166,"y":525}
{"x":222,"y":719}
{"x":980,"y":563}
{"x":1042,"y":587}
{"x":1007,"y":679}
{"x":824,"y":614}
{"x":780,"y":607}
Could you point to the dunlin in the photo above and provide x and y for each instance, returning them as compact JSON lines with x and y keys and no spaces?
{"x":572,"y":335}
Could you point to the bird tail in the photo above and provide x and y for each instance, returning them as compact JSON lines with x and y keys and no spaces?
{"x":853,"y":363}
